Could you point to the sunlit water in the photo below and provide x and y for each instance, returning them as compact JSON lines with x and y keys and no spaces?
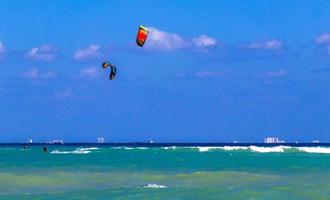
{"x":189,"y":173}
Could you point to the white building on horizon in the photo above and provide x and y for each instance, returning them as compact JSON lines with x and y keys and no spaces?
{"x":56,"y":142}
{"x":100,"y":140}
{"x":270,"y":140}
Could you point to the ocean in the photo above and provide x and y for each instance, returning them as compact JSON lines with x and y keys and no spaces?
{"x":165,"y":171}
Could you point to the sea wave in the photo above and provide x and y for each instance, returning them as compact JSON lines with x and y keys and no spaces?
{"x":225,"y":148}
{"x":89,"y":148}
{"x":278,"y":149}
{"x":234,"y":148}
{"x":203,"y":149}
{"x":132,"y":148}
{"x":70,"y":152}
{"x":154,"y":186}
{"x":76,"y":151}
{"x":142,"y":148}
{"x":171,"y":147}
{"x":314,"y":149}
{"x":273,"y":149}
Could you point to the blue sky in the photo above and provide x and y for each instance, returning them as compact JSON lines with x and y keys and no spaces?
{"x":210,"y":71}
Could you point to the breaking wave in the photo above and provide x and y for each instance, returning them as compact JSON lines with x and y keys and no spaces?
{"x":202,"y":149}
{"x":171,"y":147}
{"x":278,"y":149}
{"x":314,"y":149}
{"x":154,"y":186}
{"x":274,"y":149}
{"x":76,"y":151}
{"x":226,"y":148}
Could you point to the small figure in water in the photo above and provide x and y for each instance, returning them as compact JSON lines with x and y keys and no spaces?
{"x":45,"y":149}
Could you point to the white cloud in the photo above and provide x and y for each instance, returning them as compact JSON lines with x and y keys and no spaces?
{"x":31,"y":73}
{"x":45,"y":53}
{"x":271,"y":45}
{"x":47,"y":75}
{"x":323,"y":39}
{"x":199,"y":74}
{"x":165,"y":41}
{"x":328,"y":49}
{"x":278,"y":73}
{"x":89,"y":73}
{"x":92,"y":51}
{"x":162,"y":40}
{"x":180,"y":75}
{"x":67,"y":93}
{"x":204,"y":41}
{"x":2,"y":48}
{"x":207,"y":74}
{"x":34,"y":73}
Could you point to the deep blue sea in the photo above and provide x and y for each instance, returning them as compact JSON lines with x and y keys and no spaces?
{"x":165,"y":171}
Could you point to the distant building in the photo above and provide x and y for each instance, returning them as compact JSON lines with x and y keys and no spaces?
{"x":235,"y":142}
{"x":316,"y":141}
{"x":56,"y":142}
{"x":100,"y":140}
{"x":150,"y":141}
{"x":29,"y":141}
{"x":271,"y":140}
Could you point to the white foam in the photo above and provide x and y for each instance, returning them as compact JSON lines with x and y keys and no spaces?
{"x":89,"y":148}
{"x":225,"y":148}
{"x":167,"y":148}
{"x":115,"y":148}
{"x":234,"y":148}
{"x":76,"y":151}
{"x":314,"y":149}
{"x":155,"y":186}
{"x":130,"y":148}
{"x":278,"y":149}
{"x":142,"y":148}
{"x":70,"y":152}
{"x":205,"y":149}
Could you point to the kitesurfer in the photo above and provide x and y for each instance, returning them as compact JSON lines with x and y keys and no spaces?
{"x":113,"y":70}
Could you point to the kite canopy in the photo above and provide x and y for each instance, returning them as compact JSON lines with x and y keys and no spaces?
{"x":142,"y":36}
{"x":113,"y":72}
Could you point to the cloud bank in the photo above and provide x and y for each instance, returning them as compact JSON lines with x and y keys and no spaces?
{"x":266,"y":45}
{"x":165,"y":41}
{"x":34,"y":73}
{"x":2,"y":48}
{"x":324,"y":41}
{"x":45,"y":53}
{"x":323,"y":38}
{"x":276,"y":74}
{"x":89,"y":73}
{"x":91,"y":52}
{"x":204,"y":41}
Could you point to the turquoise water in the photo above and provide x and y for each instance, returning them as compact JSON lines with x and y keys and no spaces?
{"x":165,"y":173}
